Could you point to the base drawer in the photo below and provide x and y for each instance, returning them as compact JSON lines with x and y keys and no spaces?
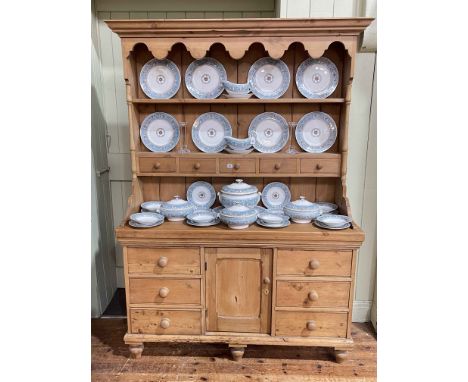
{"x":164,"y":291}
{"x":305,"y":324}
{"x":158,"y":165}
{"x":313,"y":294}
{"x":155,"y":321}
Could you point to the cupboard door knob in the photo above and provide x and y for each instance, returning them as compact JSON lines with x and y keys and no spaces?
{"x":277,"y":166}
{"x":165,"y":323}
{"x":162,"y":262}
{"x":237,"y":166}
{"x":163,"y":292}
{"x":318,"y":166}
{"x":196,"y":166}
{"x":314,"y":264}
{"x":157,"y":165}
{"x":267,"y":280}
{"x":311,"y":325}
{"x":313,"y":295}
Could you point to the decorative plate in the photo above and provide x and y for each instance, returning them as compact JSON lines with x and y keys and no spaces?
{"x":209,"y":130}
{"x":160,"y":79}
{"x":159,"y":132}
{"x":321,"y":225}
{"x":201,"y":194}
{"x":269,"y":78}
{"x":204,"y":78}
{"x":317,"y":78}
{"x":275,"y":195}
{"x":316,"y":132}
{"x":271,"y":132}
{"x":134,"y":224}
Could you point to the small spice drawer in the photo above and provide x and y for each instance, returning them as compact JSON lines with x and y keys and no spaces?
{"x":296,"y":262}
{"x":160,"y":261}
{"x":237,"y":165}
{"x":312,"y":294}
{"x":329,"y":167}
{"x":158,"y":164}
{"x":197,"y":166}
{"x":278,"y":166}
{"x":164,"y":291}
{"x":311,"y":324}
{"x":155,"y":321}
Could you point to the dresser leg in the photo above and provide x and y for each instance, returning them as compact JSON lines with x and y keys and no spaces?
{"x":341,"y":355}
{"x":136,"y":350}
{"x":237,"y":351}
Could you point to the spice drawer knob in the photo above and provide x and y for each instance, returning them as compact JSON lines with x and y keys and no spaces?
{"x":314,"y":264}
{"x":313,"y":295}
{"x":318,"y":166}
{"x":237,"y":166}
{"x":162,"y":262}
{"x":163,"y":292}
{"x":165,"y":323}
{"x":157,"y":165}
{"x":196,"y":166}
{"x":277,"y":166}
{"x":311,"y":325}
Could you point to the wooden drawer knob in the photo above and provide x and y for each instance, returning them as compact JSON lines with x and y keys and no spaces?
{"x":165,"y":323}
{"x":311,"y":325}
{"x":162,"y":262}
{"x":196,"y":166}
{"x":313,"y":295}
{"x":318,"y":166}
{"x":237,"y":166}
{"x":163,"y":292}
{"x":314,"y":264}
{"x":277,"y":166}
{"x":157,"y":166}
{"x":267,"y":280}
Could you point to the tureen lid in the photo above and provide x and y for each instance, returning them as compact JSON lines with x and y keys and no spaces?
{"x":239,"y":187}
{"x":237,"y":210}
{"x":302,"y":204}
{"x":176,"y":203}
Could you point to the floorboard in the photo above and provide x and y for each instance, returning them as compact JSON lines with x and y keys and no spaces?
{"x":212,"y":362}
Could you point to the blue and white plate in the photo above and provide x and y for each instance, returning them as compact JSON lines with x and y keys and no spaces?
{"x":275,"y":195}
{"x":201,"y":194}
{"x":160,"y":79}
{"x":134,"y":224}
{"x":321,"y":225}
{"x":270,"y":131}
{"x":195,"y":224}
{"x":285,"y":223}
{"x":317,"y":78}
{"x":204,"y":78}
{"x":269,"y":78}
{"x":159,"y":132}
{"x":209,"y":130}
{"x":316,"y":132}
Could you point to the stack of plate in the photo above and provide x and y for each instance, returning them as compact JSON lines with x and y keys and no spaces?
{"x":331,"y":221}
{"x":272,"y":219}
{"x":237,"y":90}
{"x":203,"y":218}
{"x":145,"y":220}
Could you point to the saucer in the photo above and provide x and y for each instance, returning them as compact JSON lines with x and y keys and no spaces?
{"x":134,"y":224}
{"x":195,"y":224}
{"x":320,"y":225}
{"x":267,"y":225}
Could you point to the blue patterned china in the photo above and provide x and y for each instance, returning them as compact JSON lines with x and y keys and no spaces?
{"x":146,"y":218}
{"x":160,"y":79}
{"x":301,"y":210}
{"x":321,"y":225}
{"x":241,"y":96}
{"x":270,"y":131}
{"x":151,"y":206}
{"x":316,"y":132}
{"x":283,"y":224}
{"x":238,"y":216}
{"x":270,"y":218}
{"x":269,"y":78}
{"x":317,"y":78}
{"x":217,"y":209}
{"x":326,"y":207}
{"x":334,"y":221}
{"x":238,"y":152}
{"x":202,"y":216}
{"x":276,"y":195}
{"x":236,"y":89}
{"x":209,"y":131}
{"x":176,"y":209}
{"x":201,"y":194}
{"x":239,"y":144}
{"x":260,"y":209}
{"x":195,"y":224}
{"x":159,"y":132}
{"x":134,"y":224}
{"x":204,"y":78}
{"x":239,"y":192}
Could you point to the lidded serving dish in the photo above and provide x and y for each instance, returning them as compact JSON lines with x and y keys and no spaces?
{"x":239,"y":192}
{"x":176,"y":209}
{"x":301,"y":210}
{"x":238,"y":216}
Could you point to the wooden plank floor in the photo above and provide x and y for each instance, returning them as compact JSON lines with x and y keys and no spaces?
{"x":212,"y":362}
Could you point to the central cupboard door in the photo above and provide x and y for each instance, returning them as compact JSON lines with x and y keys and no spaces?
{"x":238,"y":289}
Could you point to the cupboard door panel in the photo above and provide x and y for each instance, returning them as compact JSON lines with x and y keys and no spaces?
{"x":238,"y":289}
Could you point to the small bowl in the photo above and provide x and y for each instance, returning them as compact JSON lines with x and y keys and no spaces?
{"x":146,"y":218}
{"x":334,"y":221}
{"x":239,"y":144}
{"x":151,"y":206}
{"x":235,"y":89}
{"x":202,"y":217}
{"x":270,"y":218}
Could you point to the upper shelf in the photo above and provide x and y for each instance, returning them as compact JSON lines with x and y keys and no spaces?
{"x":236,"y":101}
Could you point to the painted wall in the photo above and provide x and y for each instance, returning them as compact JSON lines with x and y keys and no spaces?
{"x":361,"y":167}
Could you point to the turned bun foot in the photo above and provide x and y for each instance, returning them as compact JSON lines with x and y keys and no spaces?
{"x":237,"y":352}
{"x":136,"y":350}
{"x":341,"y":355}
